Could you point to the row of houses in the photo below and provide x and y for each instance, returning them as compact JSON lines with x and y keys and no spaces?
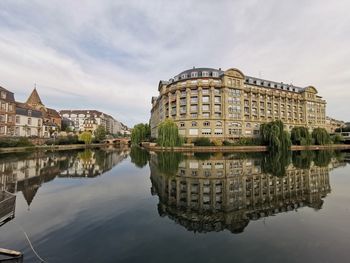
{"x":33,"y":119}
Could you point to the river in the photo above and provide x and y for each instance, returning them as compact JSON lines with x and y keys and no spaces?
{"x":134,"y":206}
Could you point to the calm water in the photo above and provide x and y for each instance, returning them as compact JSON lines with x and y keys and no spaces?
{"x":122,"y":206}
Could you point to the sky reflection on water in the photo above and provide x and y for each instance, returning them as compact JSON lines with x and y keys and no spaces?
{"x":114,"y":207}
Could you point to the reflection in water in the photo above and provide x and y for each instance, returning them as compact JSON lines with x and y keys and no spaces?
{"x":214,"y":192}
{"x":26,"y":172}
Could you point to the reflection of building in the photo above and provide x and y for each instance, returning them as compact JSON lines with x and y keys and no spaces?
{"x":219,"y":193}
{"x":227,"y":104}
{"x":28,"y":171}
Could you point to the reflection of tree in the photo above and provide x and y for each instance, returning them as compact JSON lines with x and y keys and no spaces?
{"x":101,"y":158}
{"x":323,"y":158}
{"x":275,"y":163}
{"x":302,"y":159}
{"x":85,"y":156}
{"x":139,"y":156}
{"x":168,"y":162}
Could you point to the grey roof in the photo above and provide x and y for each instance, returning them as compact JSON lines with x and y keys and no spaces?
{"x":272,"y":84}
{"x":9,"y":95}
{"x":199,"y":72}
{"x":28,"y":112}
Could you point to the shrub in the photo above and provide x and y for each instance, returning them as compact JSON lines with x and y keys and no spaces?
{"x":202,"y":141}
{"x":15,"y":142}
{"x":337,"y":138}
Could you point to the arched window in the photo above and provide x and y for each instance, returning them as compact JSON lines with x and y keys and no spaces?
{"x":218,"y":124}
{"x":194,"y":124}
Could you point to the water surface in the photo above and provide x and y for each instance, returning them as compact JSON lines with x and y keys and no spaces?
{"x":122,"y":206}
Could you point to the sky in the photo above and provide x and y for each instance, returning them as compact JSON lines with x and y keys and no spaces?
{"x":110,"y":55}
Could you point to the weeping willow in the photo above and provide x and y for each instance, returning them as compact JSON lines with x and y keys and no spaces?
{"x":168,"y":134}
{"x":300,"y":136}
{"x":274,"y":136}
{"x":321,"y":136}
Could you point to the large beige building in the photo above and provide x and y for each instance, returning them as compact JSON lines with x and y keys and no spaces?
{"x":206,"y":102}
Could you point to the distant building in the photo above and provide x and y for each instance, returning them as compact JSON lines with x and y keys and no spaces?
{"x":207,"y":102}
{"x":89,"y":120}
{"x":7,"y":112}
{"x":333,"y":124}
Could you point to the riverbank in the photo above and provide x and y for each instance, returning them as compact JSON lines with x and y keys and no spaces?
{"x":154,"y":148}
{"x":53,"y":147}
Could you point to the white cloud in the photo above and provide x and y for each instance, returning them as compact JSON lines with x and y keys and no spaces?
{"x":110,"y":55}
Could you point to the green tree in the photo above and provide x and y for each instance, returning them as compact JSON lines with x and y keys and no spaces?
{"x":300,"y":136}
{"x":274,"y":136}
{"x":168,"y":134}
{"x":141,"y":132}
{"x":321,"y":136}
{"x":100,"y":133}
{"x":85,"y":137}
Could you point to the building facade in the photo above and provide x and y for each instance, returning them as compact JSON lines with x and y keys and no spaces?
{"x":7,"y":112}
{"x":206,"y":102}
{"x":29,"y":122}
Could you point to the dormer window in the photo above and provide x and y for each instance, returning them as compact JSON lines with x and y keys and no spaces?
{"x":215,"y":74}
{"x":194,"y":74}
{"x":205,"y":74}
{"x":183,"y":76}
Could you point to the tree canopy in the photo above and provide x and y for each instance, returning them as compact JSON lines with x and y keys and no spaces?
{"x":100,"y":133}
{"x":274,"y":136}
{"x":168,"y":134}
{"x":85,"y":137}
{"x":300,"y":136}
{"x":141,"y":132}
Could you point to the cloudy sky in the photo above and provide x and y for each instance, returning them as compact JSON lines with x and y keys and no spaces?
{"x":110,"y":54}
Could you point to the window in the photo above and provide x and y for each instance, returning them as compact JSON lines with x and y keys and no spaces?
{"x":182,"y":124}
{"x":218,"y":131}
{"x":205,"y":74}
{"x":206,"y":123}
{"x":193,"y":131}
{"x":248,"y":125}
{"x":3,"y":106}
{"x":205,"y":115}
{"x":29,"y":121}
{"x":2,"y":118}
{"x":194,"y":108}
{"x":3,"y":94}
{"x":10,"y":107}
{"x":183,"y":76}
{"x":218,"y":124}
{"x":217,"y":99}
{"x":18,"y":119}
{"x":215,"y":74}
{"x":206,"y":131}
{"x":205,"y":108}
{"x":194,"y":74}
{"x":194,"y":124}
{"x":205,"y":99}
